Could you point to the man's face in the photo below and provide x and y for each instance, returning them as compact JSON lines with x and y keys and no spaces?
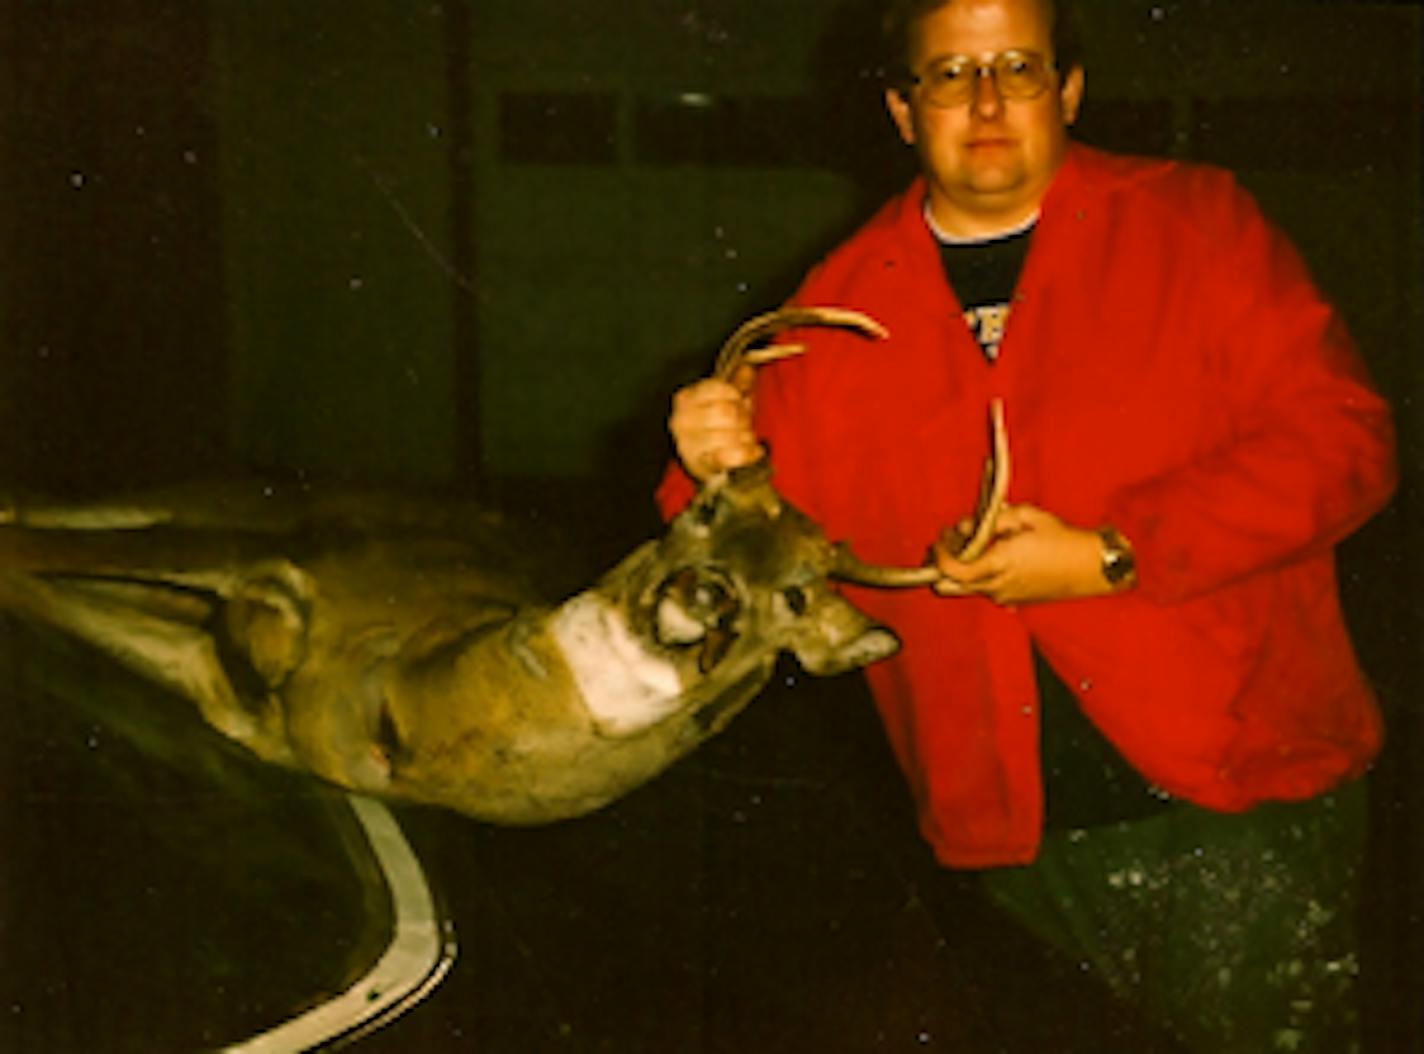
{"x":988,"y":160}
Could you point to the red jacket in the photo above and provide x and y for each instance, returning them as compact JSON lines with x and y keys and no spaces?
{"x":1169,"y":368}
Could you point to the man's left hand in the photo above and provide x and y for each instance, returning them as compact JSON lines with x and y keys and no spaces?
{"x":1035,"y":556}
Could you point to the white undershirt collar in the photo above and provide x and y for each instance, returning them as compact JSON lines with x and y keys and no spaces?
{"x":945,"y":238}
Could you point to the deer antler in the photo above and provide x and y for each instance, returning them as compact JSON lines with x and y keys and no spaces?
{"x":992,"y":491}
{"x":739,"y":348}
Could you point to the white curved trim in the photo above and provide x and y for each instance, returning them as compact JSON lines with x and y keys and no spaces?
{"x":421,"y":952}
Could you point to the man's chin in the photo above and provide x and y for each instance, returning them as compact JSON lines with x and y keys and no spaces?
{"x":991,"y":175}
{"x":995,"y":186}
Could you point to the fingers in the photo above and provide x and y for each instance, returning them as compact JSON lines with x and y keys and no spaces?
{"x":1035,"y":557}
{"x":711,"y":426}
{"x":964,"y":577}
{"x":978,"y":577}
{"x":997,"y":573}
{"x":987,"y":583}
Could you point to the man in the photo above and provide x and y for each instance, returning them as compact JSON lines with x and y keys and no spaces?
{"x":1192,"y":433}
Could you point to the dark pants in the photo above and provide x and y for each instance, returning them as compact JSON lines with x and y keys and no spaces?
{"x":1234,"y":932}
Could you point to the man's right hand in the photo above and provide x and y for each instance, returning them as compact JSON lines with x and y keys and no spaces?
{"x":711,"y":425}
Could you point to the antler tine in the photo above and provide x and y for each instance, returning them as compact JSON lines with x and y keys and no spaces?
{"x":736,"y":348}
{"x":995,"y":489}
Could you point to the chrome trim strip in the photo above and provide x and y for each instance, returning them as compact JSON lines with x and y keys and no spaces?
{"x":420,"y":954}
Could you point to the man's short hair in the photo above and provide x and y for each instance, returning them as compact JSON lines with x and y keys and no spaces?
{"x":898,"y":19}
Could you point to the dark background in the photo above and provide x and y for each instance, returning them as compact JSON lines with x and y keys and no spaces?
{"x":474,"y":245}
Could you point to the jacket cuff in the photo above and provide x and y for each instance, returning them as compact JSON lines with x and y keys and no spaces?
{"x":675,"y":491}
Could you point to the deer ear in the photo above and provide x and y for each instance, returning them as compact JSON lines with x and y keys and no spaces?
{"x":266,"y":620}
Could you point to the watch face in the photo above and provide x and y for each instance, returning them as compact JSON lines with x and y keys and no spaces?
{"x":1118,"y":563}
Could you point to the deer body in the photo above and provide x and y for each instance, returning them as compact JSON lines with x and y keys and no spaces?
{"x":398,"y":654}
{"x":405,"y":666}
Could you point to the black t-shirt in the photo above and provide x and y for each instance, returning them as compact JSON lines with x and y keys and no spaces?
{"x":983,"y":275}
{"x":1086,"y":781}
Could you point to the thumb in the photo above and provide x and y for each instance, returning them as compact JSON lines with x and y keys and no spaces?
{"x":744,"y":379}
{"x":1014,"y":518}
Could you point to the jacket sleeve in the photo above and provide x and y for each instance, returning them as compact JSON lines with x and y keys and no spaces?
{"x":1310,"y":454}
{"x":674,"y":491}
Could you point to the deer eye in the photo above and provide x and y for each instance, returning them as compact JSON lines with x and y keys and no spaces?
{"x":795,"y":598}
{"x":710,"y":595}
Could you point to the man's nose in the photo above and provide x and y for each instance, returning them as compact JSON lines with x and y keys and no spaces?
{"x":987,"y":102}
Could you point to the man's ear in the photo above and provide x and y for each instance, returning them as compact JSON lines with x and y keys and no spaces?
{"x":900,"y":113}
{"x":1071,"y":94}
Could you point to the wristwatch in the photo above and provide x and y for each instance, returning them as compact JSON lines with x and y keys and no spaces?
{"x":1118,"y":564}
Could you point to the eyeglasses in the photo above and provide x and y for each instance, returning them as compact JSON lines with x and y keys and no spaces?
{"x":1017,"y":75}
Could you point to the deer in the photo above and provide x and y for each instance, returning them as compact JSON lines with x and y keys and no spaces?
{"x":402,"y":657}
